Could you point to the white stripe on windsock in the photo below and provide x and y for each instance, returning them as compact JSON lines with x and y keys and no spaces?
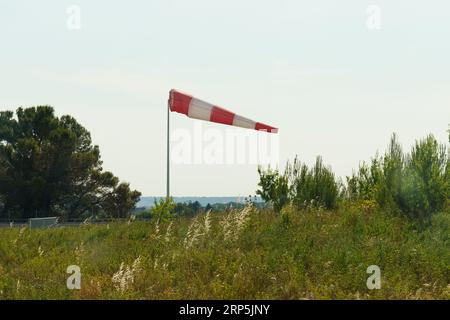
{"x":200,"y":110}
{"x":243,"y":122}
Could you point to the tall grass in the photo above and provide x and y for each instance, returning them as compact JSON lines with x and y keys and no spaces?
{"x":247,"y":254}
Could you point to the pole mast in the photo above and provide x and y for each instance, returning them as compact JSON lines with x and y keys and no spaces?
{"x":168,"y":150}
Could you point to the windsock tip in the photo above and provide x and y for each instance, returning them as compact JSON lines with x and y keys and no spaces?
{"x":264,"y":127}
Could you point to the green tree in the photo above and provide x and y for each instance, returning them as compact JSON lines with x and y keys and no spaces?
{"x":274,"y":188}
{"x":120,"y":201}
{"x":426,"y":180}
{"x":163,"y":209}
{"x":48,"y":166}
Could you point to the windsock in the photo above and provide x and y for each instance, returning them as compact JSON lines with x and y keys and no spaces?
{"x":198,"y":109}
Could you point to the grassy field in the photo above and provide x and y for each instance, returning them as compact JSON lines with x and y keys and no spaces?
{"x":246,"y":254}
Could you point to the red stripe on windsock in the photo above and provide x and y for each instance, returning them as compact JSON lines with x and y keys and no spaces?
{"x":179,"y":102}
{"x":264,"y":127}
{"x":221,"y":115}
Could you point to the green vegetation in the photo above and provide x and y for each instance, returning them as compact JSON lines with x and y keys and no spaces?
{"x":164,"y":209}
{"x":415,"y":184}
{"x":300,"y":186}
{"x":315,"y":239}
{"x":49,"y":167}
{"x":245,"y":254}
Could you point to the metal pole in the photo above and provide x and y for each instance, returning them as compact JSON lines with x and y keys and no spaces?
{"x":168,"y":150}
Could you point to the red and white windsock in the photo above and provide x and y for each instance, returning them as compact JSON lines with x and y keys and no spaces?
{"x":198,"y":109}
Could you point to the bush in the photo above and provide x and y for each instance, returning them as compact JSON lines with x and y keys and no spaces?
{"x":300,"y":186}
{"x":415,"y":184}
{"x":274,"y":188}
{"x":163,"y":209}
{"x":313,"y":187}
{"x":426,"y":187}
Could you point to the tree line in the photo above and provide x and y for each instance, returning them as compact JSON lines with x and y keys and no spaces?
{"x":167,"y":208}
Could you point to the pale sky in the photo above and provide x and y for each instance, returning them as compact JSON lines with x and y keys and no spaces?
{"x":314,"y":69}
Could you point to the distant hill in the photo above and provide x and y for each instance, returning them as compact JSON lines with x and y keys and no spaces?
{"x":148,"y":201}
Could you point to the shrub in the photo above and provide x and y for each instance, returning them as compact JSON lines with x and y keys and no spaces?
{"x":415,"y":184}
{"x":274,"y":188}
{"x":163,"y":209}
{"x":426,"y":187}
{"x":300,"y":186}
{"x":362,"y":185}
{"x":316,"y":186}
